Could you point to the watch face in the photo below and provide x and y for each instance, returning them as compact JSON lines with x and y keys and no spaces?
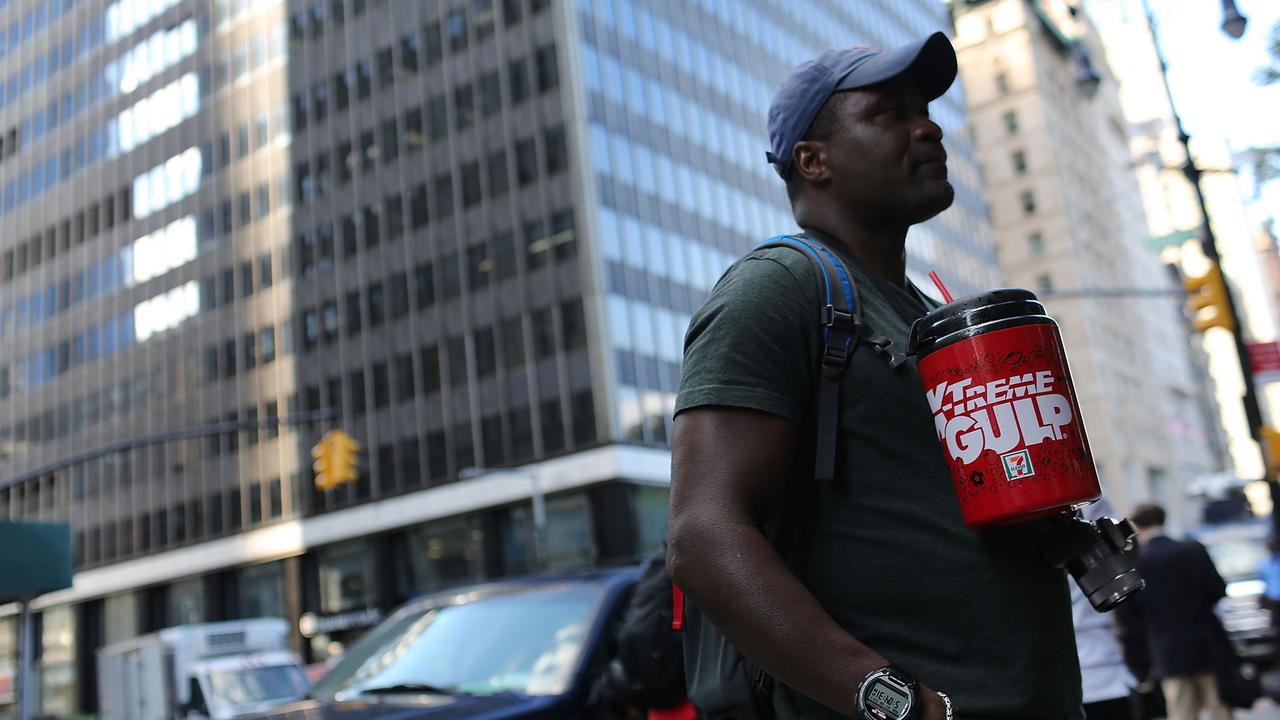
{"x":886,"y":700}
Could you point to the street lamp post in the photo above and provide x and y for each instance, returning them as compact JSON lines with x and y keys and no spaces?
{"x":538,"y":499}
{"x":1233,"y":24}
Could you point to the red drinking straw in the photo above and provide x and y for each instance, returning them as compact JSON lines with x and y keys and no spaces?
{"x":937,"y":281}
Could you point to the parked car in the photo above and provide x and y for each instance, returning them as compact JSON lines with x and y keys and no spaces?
{"x":525,"y":648}
{"x":1237,"y":550}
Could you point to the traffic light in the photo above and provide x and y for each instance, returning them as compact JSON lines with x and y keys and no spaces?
{"x":1207,"y":301}
{"x":1271,"y":450}
{"x":337,"y":460}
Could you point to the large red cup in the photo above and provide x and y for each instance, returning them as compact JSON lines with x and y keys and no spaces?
{"x":996,"y":377}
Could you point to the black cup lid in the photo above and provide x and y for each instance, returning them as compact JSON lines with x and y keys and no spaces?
{"x":965,"y":317}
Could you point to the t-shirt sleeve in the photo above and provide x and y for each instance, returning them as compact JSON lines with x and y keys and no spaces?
{"x":754,"y":343}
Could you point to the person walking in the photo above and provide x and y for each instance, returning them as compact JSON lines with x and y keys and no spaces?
{"x":1107,"y":682}
{"x":889,"y":594}
{"x":1174,"y":618}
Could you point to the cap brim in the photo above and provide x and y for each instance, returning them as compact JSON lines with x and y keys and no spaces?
{"x":931,"y":62}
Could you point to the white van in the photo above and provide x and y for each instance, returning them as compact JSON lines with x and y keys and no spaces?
{"x":208,"y":671}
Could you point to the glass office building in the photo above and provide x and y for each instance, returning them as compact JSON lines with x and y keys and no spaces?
{"x":469,"y":232}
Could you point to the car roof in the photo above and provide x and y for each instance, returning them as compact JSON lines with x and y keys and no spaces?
{"x":608,"y":578}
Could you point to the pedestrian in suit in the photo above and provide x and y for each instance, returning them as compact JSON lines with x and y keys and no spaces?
{"x":1174,"y":618}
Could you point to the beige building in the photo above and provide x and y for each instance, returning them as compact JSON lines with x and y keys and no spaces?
{"x":1174,"y":218}
{"x":1069,"y":223}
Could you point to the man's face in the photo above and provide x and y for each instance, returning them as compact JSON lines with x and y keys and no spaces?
{"x":886,"y":157}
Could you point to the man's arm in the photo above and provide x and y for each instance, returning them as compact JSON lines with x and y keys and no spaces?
{"x":729,"y":470}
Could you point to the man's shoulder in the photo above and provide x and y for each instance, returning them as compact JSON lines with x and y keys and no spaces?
{"x":771,"y":275}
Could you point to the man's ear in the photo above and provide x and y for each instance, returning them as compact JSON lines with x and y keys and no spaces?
{"x":809,"y":158}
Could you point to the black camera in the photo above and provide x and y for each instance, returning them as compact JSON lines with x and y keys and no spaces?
{"x":1097,"y":555}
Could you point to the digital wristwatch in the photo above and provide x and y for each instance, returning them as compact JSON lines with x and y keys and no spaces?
{"x":886,"y":694}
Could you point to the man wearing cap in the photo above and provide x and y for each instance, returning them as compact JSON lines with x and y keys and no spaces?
{"x":886,"y":581}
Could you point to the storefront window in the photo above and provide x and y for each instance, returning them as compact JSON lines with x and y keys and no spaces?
{"x":186,"y":602}
{"x":568,"y":540}
{"x":57,"y":662}
{"x":651,"y":518}
{"x":261,"y":590}
{"x":8,"y":663}
{"x":446,"y":553}
{"x":346,"y":578}
{"x":516,"y":537}
{"x":121,"y":612}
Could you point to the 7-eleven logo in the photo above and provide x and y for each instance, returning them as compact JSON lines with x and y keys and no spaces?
{"x":1017,"y":465}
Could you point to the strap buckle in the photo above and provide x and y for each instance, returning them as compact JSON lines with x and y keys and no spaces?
{"x":831,"y":317}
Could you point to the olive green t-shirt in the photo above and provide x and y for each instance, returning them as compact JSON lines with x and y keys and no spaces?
{"x":978,"y":615}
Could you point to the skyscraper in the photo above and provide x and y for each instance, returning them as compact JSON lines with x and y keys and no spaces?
{"x":1069,"y":222}
{"x":471,"y":234}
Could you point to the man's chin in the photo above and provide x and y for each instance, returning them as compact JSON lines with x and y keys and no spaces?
{"x":935,"y":197}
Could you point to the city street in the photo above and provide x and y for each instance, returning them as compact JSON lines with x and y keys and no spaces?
{"x":352,"y":352}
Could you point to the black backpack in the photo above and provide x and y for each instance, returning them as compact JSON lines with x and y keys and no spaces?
{"x":721,"y":682}
{"x":647,"y":669}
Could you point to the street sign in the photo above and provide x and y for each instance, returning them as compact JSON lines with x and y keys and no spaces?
{"x":36,"y":559}
{"x":1265,"y":359}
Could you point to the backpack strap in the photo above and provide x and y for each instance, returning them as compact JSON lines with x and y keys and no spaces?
{"x":842,"y":329}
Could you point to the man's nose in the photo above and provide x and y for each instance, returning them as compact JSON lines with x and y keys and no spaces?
{"x":928,"y":131}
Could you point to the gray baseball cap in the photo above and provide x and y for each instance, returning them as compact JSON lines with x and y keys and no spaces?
{"x":931,"y":61}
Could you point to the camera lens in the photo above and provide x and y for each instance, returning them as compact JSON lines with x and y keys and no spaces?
{"x":1096,"y":556}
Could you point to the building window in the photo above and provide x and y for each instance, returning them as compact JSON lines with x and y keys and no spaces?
{"x":511,"y":12}
{"x":424,"y":280}
{"x":1011,"y":122}
{"x":368,"y":151}
{"x":444,"y":195}
{"x":386,"y":69}
{"x":381,"y":385}
{"x":1035,"y":242}
{"x":346,"y":162}
{"x":430,"y":368}
{"x":432,"y":46}
{"x":470,"y":184}
{"x":490,"y":94}
{"x":1020,"y":162}
{"x":557,"y":150}
{"x":437,"y":117}
{"x":1028,"y":202}
{"x":393,"y":214}
{"x":526,"y":161}
{"x":377,"y":304}
{"x":455,"y":28}
{"x":499,"y":183}
{"x":1044,"y":284}
{"x":418,"y":214}
{"x":464,"y":106}
{"x":267,"y":338}
{"x":546,"y":68}
{"x":341,"y":91}
{"x":404,"y":377}
{"x":413,"y":131}
{"x":409,"y":55}
{"x":390,"y":140}
{"x":1002,"y":83}
{"x":518,"y":78}
{"x":364,"y":79}
{"x":353,"y":313}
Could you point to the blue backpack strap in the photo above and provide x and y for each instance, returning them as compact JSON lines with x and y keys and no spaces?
{"x":842,"y":329}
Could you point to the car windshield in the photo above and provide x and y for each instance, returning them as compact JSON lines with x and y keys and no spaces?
{"x":525,"y":641}
{"x":245,"y":687}
{"x":1237,"y":559}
